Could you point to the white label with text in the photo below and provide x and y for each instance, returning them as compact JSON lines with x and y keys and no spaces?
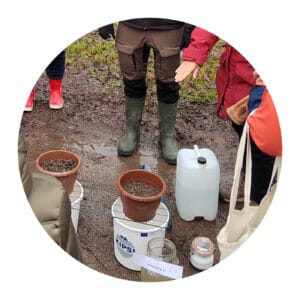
{"x":158,"y":266}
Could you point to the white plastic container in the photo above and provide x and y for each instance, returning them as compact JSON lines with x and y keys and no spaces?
{"x":132,"y":237}
{"x":76,"y":197}
{"x":197,"y":184}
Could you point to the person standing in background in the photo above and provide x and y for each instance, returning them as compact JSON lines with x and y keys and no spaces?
{"x":134,"y":39}
{"x":55,"y":72}
{"x":265,"y":138}
{"x":234,"y":76}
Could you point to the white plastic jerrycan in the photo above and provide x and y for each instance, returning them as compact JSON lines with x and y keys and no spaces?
{"x":197,"y":184}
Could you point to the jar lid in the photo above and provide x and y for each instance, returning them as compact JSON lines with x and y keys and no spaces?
{"x":203,"y":246}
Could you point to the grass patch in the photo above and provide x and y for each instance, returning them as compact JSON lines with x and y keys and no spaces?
{"x":99,"y":58}
{"x":91,"y":53}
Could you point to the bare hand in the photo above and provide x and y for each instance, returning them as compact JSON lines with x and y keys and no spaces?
{"x":186,"y":68}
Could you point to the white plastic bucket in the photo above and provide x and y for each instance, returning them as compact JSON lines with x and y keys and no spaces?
{"x":75,"y":197}
{"x":197,"y":184}
{"x":132,"y":237}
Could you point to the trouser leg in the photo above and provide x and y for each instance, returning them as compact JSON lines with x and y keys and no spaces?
{"x":55,"y":70}
{"x":262,"y":167}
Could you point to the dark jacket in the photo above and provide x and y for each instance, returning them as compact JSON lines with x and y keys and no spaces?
{"x":153,"y":24}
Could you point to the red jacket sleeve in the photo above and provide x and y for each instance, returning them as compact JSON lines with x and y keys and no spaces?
{"x":201,"y":43}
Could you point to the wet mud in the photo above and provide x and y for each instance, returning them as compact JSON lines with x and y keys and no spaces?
{"x":90,"y":124}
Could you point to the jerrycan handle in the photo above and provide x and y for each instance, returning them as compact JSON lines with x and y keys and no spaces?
{"x":200,"y":159}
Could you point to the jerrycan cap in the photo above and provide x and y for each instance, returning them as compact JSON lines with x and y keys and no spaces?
{"x":201,"y":160}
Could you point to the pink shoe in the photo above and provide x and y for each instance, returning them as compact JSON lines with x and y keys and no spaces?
{"x":56,"y":99}
{"x":29,"y":103}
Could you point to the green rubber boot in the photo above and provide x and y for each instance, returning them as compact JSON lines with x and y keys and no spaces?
{"x":167,"y":120}
{"x":128,"y":142}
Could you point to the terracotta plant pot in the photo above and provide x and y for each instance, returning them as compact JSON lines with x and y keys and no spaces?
{"x":140,"y":209}
{"x":67,"y":178}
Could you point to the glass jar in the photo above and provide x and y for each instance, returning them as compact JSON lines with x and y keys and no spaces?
{"x":162,"y":249}
{"x":202,"y":253}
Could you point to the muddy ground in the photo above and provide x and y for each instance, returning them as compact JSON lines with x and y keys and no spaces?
{"x":90,"y":124}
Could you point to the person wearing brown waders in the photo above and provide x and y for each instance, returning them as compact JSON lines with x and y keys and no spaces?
{"x":134,"y":39}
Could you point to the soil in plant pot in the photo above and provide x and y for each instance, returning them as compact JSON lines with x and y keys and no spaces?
{"x":58,"y":165}
{"x":141,"y":189}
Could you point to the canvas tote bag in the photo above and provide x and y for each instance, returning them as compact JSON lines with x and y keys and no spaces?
{"x":242,"y":222}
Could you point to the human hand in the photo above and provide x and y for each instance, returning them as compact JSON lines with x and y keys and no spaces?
{"x":186,"y":68}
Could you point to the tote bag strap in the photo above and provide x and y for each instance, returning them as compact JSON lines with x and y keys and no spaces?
{"x":237,"y":169}
{"x":248,"y":170}
{"x":276,"y":171}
